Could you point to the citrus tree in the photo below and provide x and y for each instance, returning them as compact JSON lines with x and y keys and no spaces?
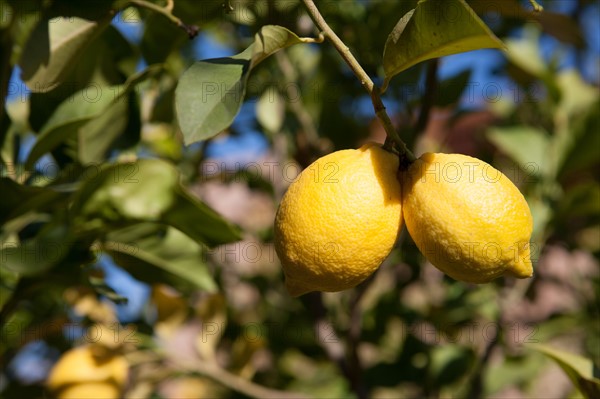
{"x":145,"y":147}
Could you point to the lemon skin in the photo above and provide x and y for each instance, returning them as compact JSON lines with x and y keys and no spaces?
{"x":339,"y":220}
{"x":80,"y":373}
{"x":467,"y":218}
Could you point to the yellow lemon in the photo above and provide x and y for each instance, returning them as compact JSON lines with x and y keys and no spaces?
{"x":339,"y":220}
{"x":467,"y":218}
{"x":81,"y":373}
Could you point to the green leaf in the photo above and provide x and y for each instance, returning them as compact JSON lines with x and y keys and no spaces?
{"x":75,"y":112}
{"x":210,"y":93}
{"x":582,"y":147}
{"x":18,"y":199}
{"x":38,"y":254}
{"x":52,"y":48}
{"x":180,"y":260}
{"x":580,"y":370}
{"x":450,"y":90}
{"x":526,"y":145}
{"x":435,"y":28}
{"x":148,"y":190}
{"x":8,"y":283}
{"x":270,"y":110}
{"x":449,"y":363}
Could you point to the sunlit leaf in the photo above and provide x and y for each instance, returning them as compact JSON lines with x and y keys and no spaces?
{"x":210,"y":93}
{"x":270,"y":110}
{"x":52,"y":47}
{"x":179,"y":260}
{"x":76,"y":111}
{"x":580,"y":370}
{"x":148,"y":190}
{"x":435,"y":28}
{"x":527,"y":146}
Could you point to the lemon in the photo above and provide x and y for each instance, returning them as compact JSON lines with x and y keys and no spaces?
{"x":467,"y":218}
{"x":82,"y":373}
{"x":339,"y":220}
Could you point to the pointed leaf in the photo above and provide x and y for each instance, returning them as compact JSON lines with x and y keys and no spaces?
{"x":37,"y":254}
{"x":180,"y":260}
{"x":53,"y":45}
{"x":210,"y":93}
{"x":435,"y":28}
{"x":580,"y":370}
{"x":527,"y":146}
{"x":76,"y":111}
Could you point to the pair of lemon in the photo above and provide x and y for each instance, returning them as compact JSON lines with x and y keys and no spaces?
{"x":341,"y":218}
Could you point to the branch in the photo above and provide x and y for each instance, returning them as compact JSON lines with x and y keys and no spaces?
{"x":191,"y":30}
{"x":237,"y":383}
{"x":362,"y":76}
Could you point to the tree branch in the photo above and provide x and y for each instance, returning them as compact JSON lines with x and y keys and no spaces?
{"x":362,"y":76}
{"x":191,"y":30}
{"x":236,"y":382}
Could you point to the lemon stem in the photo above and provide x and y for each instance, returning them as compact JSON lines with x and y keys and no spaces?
{"x":362,"y":76}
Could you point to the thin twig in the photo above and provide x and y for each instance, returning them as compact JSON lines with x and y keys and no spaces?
{"x":236,"y":382}
{"x":362,"y":76}
{"x":191,"y":30}
{"x":428,"y":96}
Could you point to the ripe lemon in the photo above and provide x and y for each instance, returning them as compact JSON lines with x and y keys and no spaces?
{"x":339,"y":220}
{"x":81,"y":373}
{"x":467,"y":218}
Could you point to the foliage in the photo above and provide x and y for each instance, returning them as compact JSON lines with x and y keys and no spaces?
{"x":116,"y":155}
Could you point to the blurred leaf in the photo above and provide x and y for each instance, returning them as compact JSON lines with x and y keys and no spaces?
{"x":148,"y":190}
{"x":435,"y":28}
{"x":76,"y":111}
{"x":54,"y":44}
{"x":449,"y":363}
{"x":450,"y":90}
{"x":100,"y":65}
{"x":564,"y":27}
{"x":179,"y":258}
{"x":270,"y":110}
{"x":513,"y":371}
{"x":102,"y":288}
{"x":580,"y":200}
{"x":580,"y":370}
{"x":17,"y":199}
{"x":71,"y":115}
{"x":96,"y":136}
{"x":526,"y":145}
{"x":39,"y":254}
{"x":210,"y":93}
{"x":8,"y":282}
{"x":576,"y":94}
{"x":583,"y":146}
